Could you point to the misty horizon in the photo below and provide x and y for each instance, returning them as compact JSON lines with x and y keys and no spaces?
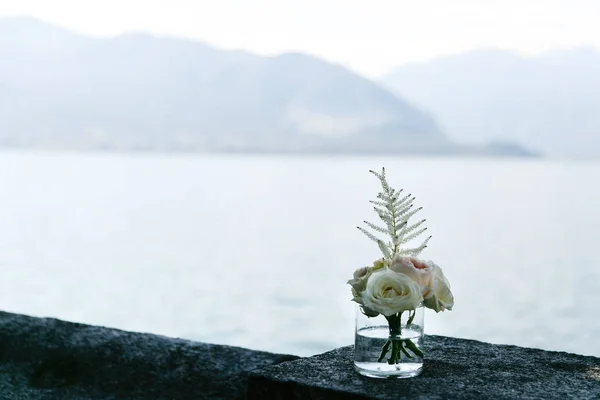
{"x":389,"y":70}
{"x":370,"y":40}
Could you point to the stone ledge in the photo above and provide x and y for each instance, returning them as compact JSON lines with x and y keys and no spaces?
{"x":454,"y":369}
{"x":44,"y":358}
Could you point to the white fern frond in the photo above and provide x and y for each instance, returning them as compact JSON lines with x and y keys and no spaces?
{"x":376,"y":227}
{"x":383,"y":213}
{"x":400,"y":202}
{"x":417,"y":250}
{"x":385,"y":197}
{"x":384,"y":249}
{"x":411,"y":213}
{"x":382,"y":179}
{"x":391,"y":229}
{"x":404,"y":210}
{"x":369,"y":235}
{"x":409,"y":228}
{"x":378,"y":203}
{"x":378,"y":175}
{"x":394,"y":211}
{"x":398,"y":238}
{"x":412,"y":236}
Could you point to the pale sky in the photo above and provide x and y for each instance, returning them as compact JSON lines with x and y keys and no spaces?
{"x":367,"y":36}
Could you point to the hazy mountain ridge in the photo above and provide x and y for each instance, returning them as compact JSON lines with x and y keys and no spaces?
{"x":550,"y":102}
{"x":136,"y":91}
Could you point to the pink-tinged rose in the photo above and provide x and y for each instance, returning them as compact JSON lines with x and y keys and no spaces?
{"x":442,"y":298}
{"x":434,"y":284}
{"x":419,"y":271}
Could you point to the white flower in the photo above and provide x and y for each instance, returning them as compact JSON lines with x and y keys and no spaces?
{"x":359,"y":284}
{"x":442,"y":298}
{"x":359,"y":280}
{"x":390,"y":292}
{"x":434,"y":285}
{"x":360,"y":277}
{"x":419,"y":271}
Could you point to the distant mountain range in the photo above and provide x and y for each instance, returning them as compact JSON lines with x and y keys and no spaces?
{"x":140,"y":92}
{"x":550,"y":103}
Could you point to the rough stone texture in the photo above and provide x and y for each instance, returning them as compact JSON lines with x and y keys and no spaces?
{"x":43,"y":358}
{"x":454,"y":369}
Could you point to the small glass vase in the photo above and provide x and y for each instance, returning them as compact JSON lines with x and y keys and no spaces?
{"x":389,"y":347}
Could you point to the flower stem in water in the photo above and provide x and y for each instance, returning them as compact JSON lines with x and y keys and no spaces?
{"x":398,"y":346}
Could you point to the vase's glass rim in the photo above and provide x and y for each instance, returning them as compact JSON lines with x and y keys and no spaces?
{"x":421,"y":305}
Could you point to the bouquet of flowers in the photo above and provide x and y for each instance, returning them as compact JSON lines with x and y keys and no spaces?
{"x":399,"y":282}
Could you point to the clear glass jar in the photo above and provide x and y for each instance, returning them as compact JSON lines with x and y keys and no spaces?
{"x":389,"y":347}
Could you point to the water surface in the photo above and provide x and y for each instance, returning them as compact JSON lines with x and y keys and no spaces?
{"x":255,"y":251}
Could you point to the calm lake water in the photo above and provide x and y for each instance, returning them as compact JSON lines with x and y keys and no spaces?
{"x":256,"y":251}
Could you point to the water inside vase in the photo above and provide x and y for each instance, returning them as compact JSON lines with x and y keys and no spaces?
{"x":367,"y":348}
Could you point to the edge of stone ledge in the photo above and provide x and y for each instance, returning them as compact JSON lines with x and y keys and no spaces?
{"x":482,"y":342}
{"x":458,"y":368}
{"x":49,"y":358}
{"x":83,"y":325}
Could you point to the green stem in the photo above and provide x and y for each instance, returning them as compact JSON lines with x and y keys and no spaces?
{"x":406,"y":353}
{"x":392,"y":359}
{"x":395,"y":326}
{"x":384,"y":350}
{"x":413,"y":347}
{"x":398,"y":346}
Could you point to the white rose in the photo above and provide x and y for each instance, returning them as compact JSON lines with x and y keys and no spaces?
{"x":359,"y":280}
{"x":419,"y":271}
{"x":442,"y":298}
{"x":390,"y":292}
{"x":359,"y":284}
